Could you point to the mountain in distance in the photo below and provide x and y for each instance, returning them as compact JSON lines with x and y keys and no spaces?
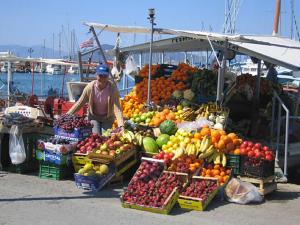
{"x":40,"y":52}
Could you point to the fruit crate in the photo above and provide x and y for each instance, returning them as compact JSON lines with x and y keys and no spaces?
{"x":77,"y":167}
{"x":234,"y":162}
{"x":54,"y":172}
{"x":126,"y":165}
{"x":40,"y":154}
{"x":198,"y":204}
{"x":167,"y":207}
{"x":77,"y":134}
{"x":58,"y":158}
{"x":79,"y":158}
{"x":94,"y":183}
{"x":117,"y":160}
{"x":257,"y":168}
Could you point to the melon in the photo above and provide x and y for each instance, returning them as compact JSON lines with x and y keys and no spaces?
{"x":150,"y":145}
{"x":162,"y":140}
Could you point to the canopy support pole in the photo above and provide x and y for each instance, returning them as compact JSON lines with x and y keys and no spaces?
{"x":102,"y":52}
{"x":141,"y":60}
{"x":80,"y":66}
{"x":9,"y":81}
{"x":150,"y":64}
{"x":221,"y":73}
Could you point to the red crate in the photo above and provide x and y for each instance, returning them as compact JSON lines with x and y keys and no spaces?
{"x":62,"y":107}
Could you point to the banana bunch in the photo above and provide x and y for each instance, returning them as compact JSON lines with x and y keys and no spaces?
{"x":188,"y":114}
{"x":218,"y":158}
{"x":206,"y":148}
{"x":178,"y":152}
{"x":127,"y":136}
{"x":191,"y":149}
{"x":138,"y":139}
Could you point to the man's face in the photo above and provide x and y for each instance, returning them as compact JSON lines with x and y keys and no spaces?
{"x":102,"y":79}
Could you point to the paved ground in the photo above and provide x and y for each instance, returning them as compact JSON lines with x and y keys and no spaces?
{"x":26,"y":199}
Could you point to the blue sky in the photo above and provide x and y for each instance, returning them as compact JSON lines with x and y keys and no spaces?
{"x":29,"y":22}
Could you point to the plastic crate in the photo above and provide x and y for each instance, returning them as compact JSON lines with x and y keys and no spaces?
{"x":234,"y":162}
{"x":76,"y":135}
{"x":257,"y":168}
{"x":54,"y":172}
{"x":93,"y":183}
{"x":58,"y":158}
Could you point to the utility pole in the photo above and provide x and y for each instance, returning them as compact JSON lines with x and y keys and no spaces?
{"x":53,"y":45}
{"x":59,"y":44}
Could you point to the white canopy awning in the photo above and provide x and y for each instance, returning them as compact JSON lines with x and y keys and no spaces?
{"x":277,"y":50}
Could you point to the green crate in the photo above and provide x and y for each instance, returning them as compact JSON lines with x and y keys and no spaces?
{"x":54,"y":172}
{"x":31,"y":163}
{"x":234,"y":162}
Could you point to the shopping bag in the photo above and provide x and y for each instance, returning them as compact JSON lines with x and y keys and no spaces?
{"x":131,"y":67}
{"x":16,"y":146}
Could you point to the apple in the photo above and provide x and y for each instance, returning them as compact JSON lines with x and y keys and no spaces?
{"x":269,"y":157}
{"x":250,"y":144}
{"x":250,"y":154}
{"x":104,"y":152}
{"x":266,"y":148}
{"x":117,"y":144}
{"x":104,"y":147}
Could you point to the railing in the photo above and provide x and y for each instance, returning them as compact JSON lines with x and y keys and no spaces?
{"x":281,"y":105}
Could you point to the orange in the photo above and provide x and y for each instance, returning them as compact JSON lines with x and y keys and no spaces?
{"x":228,"y":172}
{"x":230,"y":147}
{"x":237,"y":151}
{"x":208,"y":172}
{"x":205,"y":131}
{"x":222,"y":132}
{"x":197,"y":135}
{"x":216,"y":172}
{"x":232,"y":136}
{"x":215,"y":134}
{"x":222,"y":174}
{"x":221,"y":145}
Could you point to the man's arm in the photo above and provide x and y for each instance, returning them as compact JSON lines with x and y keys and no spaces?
{"x":80,"y":103}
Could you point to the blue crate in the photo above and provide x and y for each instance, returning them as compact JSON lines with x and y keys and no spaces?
{"x":75,"y":135}
{"x":92,"y":183}
{"x":58,"y":158}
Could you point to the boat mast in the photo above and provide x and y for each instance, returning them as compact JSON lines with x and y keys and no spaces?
{"x":276,"y":18}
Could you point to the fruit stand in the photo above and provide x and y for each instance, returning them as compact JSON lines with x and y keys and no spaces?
{"x":189,"y":156}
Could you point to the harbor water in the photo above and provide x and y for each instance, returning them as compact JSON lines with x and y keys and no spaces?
{"x":43,"y":82}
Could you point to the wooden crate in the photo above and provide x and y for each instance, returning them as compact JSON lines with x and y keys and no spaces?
{"x":264,"y":185}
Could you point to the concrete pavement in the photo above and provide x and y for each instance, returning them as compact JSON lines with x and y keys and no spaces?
{"x":27,"y":199}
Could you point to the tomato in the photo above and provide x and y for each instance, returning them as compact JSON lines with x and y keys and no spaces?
{"x":257,"y":155}
{"x":269,"y":157}
{"x":243,"y":151}
{"x":256,"y":150}
{"x":250,"y":144}
{"x":266,"y":148}
{"x":257,"y":145}
{"x":245,"y":143}
{"x":249,"y":149}
{"x":250,"y":154}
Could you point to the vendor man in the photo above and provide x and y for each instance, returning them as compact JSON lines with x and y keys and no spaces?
{"x":103,"y":100}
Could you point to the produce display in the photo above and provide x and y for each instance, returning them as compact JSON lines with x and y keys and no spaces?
{"x":143,"y":118}
{"x":70,"y":122}
{"x":216,"y":171}
{"x":56,"y":144}
{"x":256,"y":151}
{"x":205,"y":83}
{"x":149,"y":188}
{"x":87,"y":145}
{"x":90,"y":169}
{"x":200,"y":188}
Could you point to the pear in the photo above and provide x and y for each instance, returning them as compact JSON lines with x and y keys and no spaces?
{"x":103,"y":169}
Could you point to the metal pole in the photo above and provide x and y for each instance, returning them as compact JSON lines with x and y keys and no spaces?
{"x":80,"y":65}
{"x":102,"y":52}
{"x":141,"y":60}
{"x":206,"y":59}
{"x":278,"y":130}
{"x":185,"y":57}
{"x":276,"y":18}
{"x":32,"y":87}
{"x":273,"y":119}
{"x":257,"y":90}
{"x":162,"y":57}
{"x":286,"y":142}
{"x":9,"y":80}
{"x":151,"y":18}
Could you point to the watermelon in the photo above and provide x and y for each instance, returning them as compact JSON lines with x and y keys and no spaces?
{"x":162,"y":140}
{"x":150,"y":145}
{"x":168,"y":127}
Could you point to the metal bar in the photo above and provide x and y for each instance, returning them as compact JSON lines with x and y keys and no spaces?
{"x":273,"y":119}
{"x":126,"y":84}
{"x":206,"y":59}
{"x":102,"y":52}
{"x":278,"y":130}
{"x":141,"y":60}
{"x":257,"y":88}
{"x":80,"y":65}
{"x":213,"y":50}
{"x":32,"y":85}
{"x":150,"y":66}
{"x":9,"y":80}
{"x":286,"y":142}
{"x":90,"y":51}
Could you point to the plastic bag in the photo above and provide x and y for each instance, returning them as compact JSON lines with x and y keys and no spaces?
{"x":16,"y":146}
{"x":241,"y":192}
{"x":194,"y":125}
{"x":131,"y":67}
